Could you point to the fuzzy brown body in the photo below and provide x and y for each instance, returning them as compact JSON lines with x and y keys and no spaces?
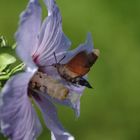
{"x":77,"y":67}
{"x":46,"y":84}
{"x":65,"y":73}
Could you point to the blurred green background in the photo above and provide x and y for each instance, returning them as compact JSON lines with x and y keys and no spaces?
{"x":111,"y":111}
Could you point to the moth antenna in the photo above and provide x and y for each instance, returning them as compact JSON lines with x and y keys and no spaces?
{"x":55,"y":57}
{"x":62,"y":58}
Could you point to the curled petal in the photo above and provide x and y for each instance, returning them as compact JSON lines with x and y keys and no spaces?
{"x":75,"y":103}
{"x":65,"y":136}
{"x":72,"y":101}
{"x":18,"y":120}
{"x":50,"y":116}
{"x":87,"y":46}
{"x":50,"y":5}
{"x":27,"y":34}
{"x":51,"y":38}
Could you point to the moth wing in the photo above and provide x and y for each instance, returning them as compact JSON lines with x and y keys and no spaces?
{"x":81,"y":63}
{"x":78,"y":64}
{"x":92,"y":57}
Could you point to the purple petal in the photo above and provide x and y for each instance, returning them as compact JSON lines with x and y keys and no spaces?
{"x":65,"y":136}
{"x":27,"y":34}
{"x":75,"y":103}
{"x":73,"y":100}
{"x":50,"y":4}
{"x":50,"y":115}
{"x":51,"y":38}
{"x":18,"y":120}
{"x":87,"y":46}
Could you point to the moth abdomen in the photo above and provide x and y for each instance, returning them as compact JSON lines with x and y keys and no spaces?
{"x":46,"y":84}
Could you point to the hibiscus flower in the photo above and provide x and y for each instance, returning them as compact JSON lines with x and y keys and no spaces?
{"x":36,"y":44}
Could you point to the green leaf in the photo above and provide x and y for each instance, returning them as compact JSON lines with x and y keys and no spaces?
{"x":5,"y":60}
{"x":3,"y":42}
{"x":14,"y":46}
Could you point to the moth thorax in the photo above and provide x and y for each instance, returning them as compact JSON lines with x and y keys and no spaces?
{"x":46,"y":84}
